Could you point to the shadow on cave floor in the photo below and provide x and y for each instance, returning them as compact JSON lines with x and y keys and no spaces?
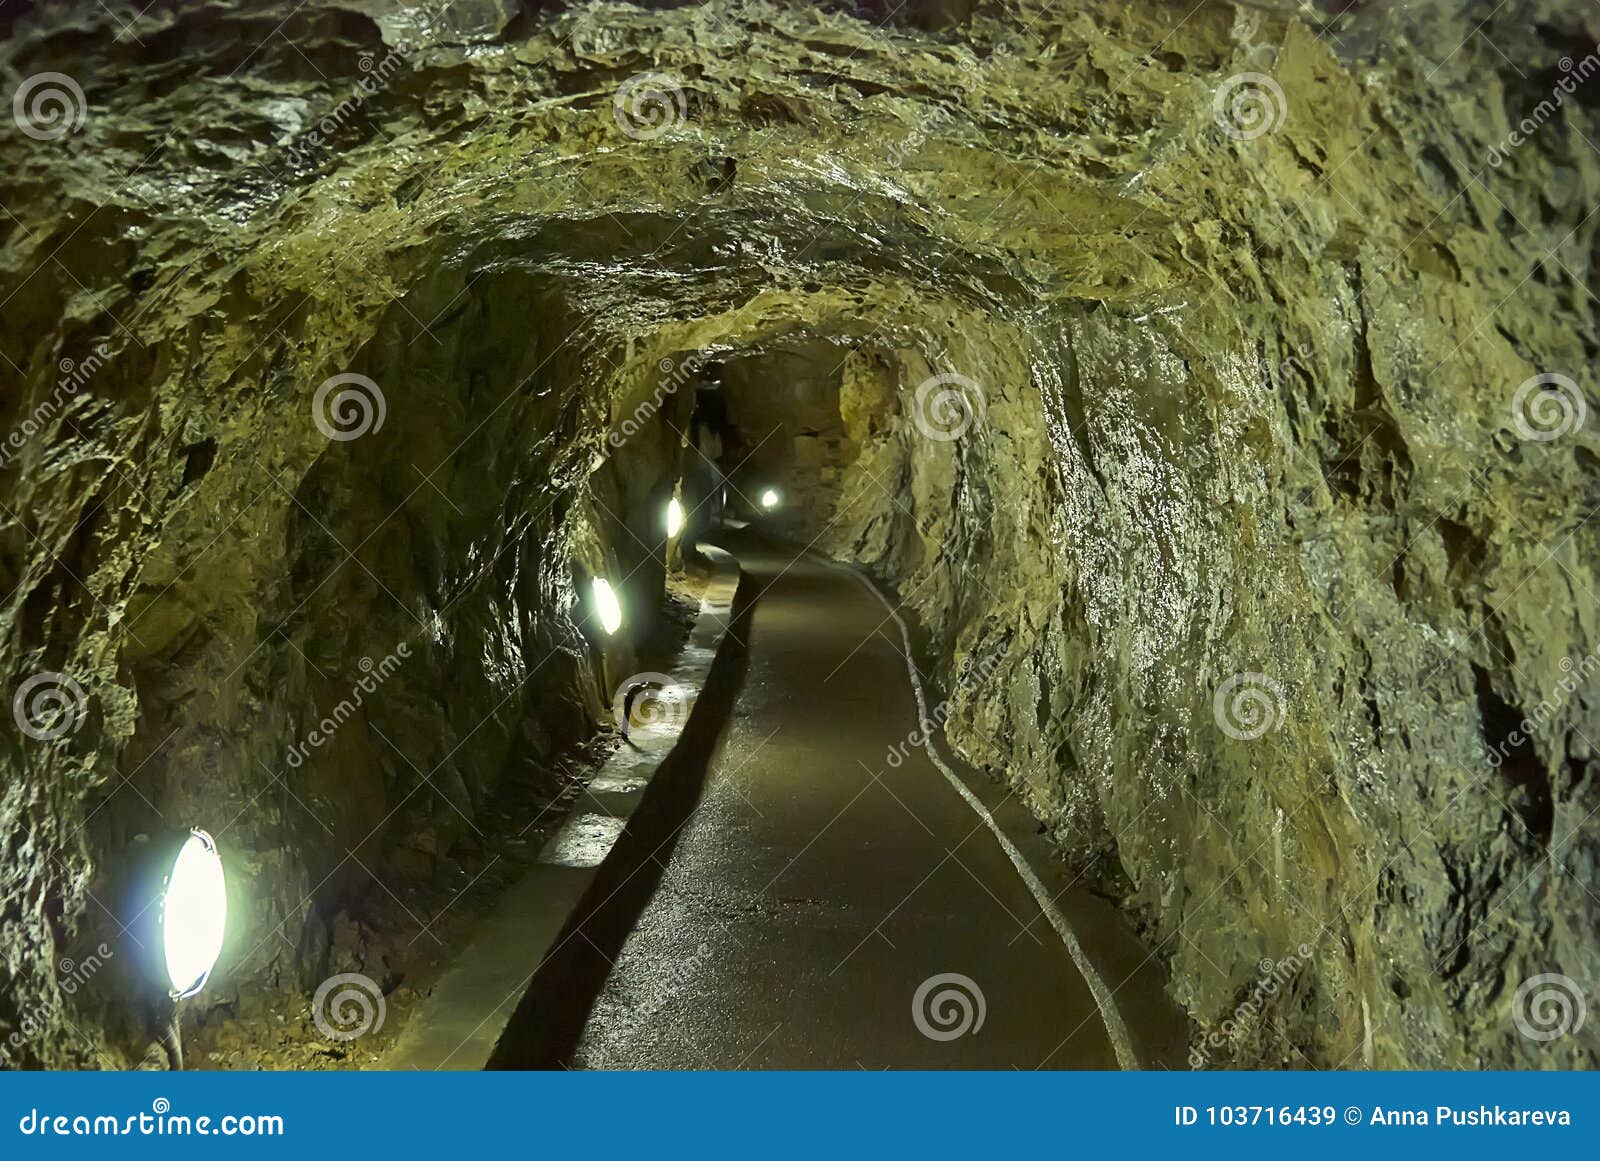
{"x":817,"y":893}
{"x":406,"y":938}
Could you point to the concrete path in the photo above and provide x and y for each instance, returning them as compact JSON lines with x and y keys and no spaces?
{"x":816,"y":890}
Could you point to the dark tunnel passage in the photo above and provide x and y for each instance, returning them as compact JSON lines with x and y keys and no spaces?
{"x":755,"y":534}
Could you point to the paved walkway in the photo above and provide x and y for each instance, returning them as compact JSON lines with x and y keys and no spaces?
{"x":816,"y":889}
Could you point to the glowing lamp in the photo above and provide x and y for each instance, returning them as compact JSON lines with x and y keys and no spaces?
{"x":607,"y":605}
{"x":674,"y":517}
{"x":769,"y":499}
{"x":194,"y":914}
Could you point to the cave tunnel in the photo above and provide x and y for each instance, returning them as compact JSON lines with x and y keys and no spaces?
{"x":761,"y":534}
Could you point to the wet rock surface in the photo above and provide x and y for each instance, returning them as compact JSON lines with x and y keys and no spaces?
{"x":1280,"y":586}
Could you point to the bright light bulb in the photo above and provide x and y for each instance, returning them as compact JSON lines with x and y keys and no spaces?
{"x":607,"y":605}
{"x":769,"y":499}
{"x":674,"y":517}
{"x":194,"y":913}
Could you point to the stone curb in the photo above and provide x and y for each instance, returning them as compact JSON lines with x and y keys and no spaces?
{"x":1094,"y":933}
{"x":518,"y":993}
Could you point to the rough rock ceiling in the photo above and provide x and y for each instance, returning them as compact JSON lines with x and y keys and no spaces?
{"x":1247,"y":379}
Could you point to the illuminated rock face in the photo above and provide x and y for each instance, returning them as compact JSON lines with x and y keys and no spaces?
{"x":1185,"y":409}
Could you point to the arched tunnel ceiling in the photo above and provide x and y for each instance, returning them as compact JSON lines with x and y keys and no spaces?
{"x":1246,"y":409}
{"x":843,"y":146}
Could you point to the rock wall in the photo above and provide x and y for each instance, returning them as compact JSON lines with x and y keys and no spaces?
{"x":788,"y":434}
{"x":1279,"y":555}
{"x":1242,"y":363}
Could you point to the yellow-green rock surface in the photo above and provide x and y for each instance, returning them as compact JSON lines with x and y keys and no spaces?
{"x":1244,"y":368}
